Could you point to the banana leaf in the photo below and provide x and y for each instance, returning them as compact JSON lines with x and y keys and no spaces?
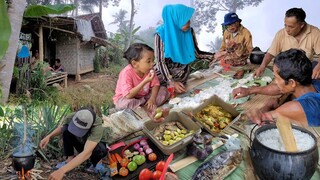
{"x":5,"y":29}
{"x":41,"y":10}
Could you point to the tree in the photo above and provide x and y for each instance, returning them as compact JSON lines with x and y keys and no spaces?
{"x":16,"y":11}
{"x":82,"y":5}
{"x":215,"y":46}
{"x":130,"y":25}
{"x":147,"y":36}
{"x":206,"y":10}
{"x":119,"y":18}
{"x":15,"y":14}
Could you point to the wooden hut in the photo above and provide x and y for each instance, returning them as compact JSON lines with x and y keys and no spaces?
{"x":71,"y":39}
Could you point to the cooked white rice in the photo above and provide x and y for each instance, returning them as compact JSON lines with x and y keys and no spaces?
{"x":272,"y":139}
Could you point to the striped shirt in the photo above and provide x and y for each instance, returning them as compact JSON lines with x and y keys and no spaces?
{"x":165,"y":67}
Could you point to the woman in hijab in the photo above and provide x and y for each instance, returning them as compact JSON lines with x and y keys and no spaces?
{"x":176,"y":46}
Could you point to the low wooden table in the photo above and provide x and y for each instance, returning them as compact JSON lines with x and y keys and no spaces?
{"x":57,"y":77}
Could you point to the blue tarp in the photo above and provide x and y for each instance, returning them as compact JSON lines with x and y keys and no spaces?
{"x":24,"y":52}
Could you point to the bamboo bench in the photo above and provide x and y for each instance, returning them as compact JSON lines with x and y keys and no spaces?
{"x":57,"y":77}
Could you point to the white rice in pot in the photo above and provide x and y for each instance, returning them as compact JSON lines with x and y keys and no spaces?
{"x":272,"y":139}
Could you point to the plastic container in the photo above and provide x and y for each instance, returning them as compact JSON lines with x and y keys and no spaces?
{"x":216,"y":101}
{"x":186,"y":121}
{"x":170,"y":87}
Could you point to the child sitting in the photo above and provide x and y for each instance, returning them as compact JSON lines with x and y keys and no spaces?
{"x":138,"y":84}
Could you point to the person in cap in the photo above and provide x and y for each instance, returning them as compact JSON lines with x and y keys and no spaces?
{"x":237,"y":41}
{"x":297,"y":33}
{"x":83,"y":131}
{"x":176,"y":47}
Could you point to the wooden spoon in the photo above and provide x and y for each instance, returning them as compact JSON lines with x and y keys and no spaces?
{"x":285,"y":129}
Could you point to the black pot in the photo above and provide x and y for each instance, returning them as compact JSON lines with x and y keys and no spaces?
{"x":27,"y":162}
{"x":271,"y":164}
{"x":256,"y":57}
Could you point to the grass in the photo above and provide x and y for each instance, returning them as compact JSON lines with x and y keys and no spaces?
{"x":97,"y":92}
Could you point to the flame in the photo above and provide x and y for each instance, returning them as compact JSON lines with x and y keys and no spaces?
{"x":24,"y":175}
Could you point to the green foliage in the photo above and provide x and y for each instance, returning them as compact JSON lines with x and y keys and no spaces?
{"x":199,"y":64}
{"x":5,"y":29}
{"x":148,"y":36}
{"x":45,"y":119}
{"x":100,"y":60}
{"x":6,"y":131}
{"x":38,"y":87}
{"x":97,"y":64}
{"x":41,"y":10}
{"x":42,"y":118}
{"x":116,"y":54}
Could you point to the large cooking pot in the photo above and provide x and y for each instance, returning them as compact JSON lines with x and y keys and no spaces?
{"x":271,"y":164}
{"x":256,"y":57}
{"x":25,"y":161}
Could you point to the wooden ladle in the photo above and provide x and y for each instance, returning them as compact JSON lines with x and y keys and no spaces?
{"x":284,"y":126}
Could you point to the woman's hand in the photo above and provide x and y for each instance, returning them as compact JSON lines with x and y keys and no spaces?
{"x":179,"y":87}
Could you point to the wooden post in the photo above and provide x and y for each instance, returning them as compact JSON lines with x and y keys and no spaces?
{"x":41,"y":43}
{"x":286,"y":133}
{"x":78,"y":77}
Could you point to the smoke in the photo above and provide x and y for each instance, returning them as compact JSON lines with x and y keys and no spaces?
{"x":22,"y":148}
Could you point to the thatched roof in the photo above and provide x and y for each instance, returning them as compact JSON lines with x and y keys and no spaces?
{"x":93,"y":23}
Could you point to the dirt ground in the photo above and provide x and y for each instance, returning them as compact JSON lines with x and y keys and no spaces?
{"x":94,"y":88}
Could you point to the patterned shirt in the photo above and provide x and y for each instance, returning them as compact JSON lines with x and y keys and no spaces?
{"x":165,"y":67}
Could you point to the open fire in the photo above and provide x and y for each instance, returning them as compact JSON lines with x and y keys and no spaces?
{"x":24,"y":175}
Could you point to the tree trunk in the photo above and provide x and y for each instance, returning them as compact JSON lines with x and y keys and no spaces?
{"x":100,"y":9}
{"x":130,"y":25}
{"x":15,"y":13}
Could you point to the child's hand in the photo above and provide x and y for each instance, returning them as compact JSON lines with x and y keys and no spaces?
{"x":151,"y":104}
{"x":149,"y":77}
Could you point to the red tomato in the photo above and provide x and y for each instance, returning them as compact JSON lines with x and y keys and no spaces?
{"x":156,"y":175}
{"x":160,"y":165}
{"x":152,"y":157}
{"x":145,"y":174}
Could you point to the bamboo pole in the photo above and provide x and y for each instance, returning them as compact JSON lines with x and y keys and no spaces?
{"x":41,"y":55}
{"x":285,"y":129}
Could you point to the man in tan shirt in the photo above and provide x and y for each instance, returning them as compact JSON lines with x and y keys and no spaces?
{"x":296,"y":34}
{"x":237,"y":41}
